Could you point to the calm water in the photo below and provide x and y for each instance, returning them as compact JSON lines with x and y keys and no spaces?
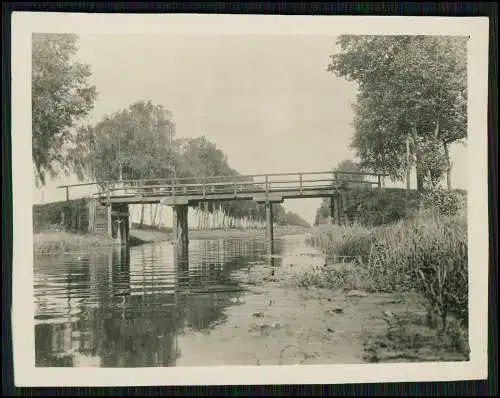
{"x":137,"y":306}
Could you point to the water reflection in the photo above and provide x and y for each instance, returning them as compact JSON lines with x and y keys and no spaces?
{"x":126,"y":307}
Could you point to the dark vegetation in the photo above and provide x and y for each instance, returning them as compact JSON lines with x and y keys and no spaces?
{"x":70,"y":216}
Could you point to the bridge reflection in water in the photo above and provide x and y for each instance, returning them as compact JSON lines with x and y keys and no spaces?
{"x":126,"y":307}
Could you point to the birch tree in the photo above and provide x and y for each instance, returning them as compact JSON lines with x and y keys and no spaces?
{"x":61,"y":98}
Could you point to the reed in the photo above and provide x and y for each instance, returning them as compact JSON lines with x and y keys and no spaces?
{"x":59,"y":241}
{"x":425,"y":253}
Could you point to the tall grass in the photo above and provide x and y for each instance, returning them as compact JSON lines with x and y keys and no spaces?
{"x":60,"y":241}
{"x":425,"y":253}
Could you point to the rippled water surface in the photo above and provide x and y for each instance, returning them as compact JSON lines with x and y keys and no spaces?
{"x":157,"y":305}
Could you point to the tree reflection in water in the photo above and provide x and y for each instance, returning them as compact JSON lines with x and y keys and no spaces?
{"x":123,"y":315}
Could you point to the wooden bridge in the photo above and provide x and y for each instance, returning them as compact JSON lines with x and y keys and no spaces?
{"x":179,"y":193}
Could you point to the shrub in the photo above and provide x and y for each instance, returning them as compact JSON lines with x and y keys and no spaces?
{"x":345,"y":276}
{"x":443,"y":202}
{"x":69,"y":215}
{"x":441,"y":268}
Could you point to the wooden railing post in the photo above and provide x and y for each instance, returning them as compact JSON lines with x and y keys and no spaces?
{"x":203,"y":187}
{"x":67,"y":193}
{"x":379,"y":182}
{"x":267,"y":185}
{"x":300,"y":179}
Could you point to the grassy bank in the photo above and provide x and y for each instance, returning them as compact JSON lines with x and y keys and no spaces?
{"x":49,"y":242}
{"x":426,"y":254}
{"x":60,"y":241}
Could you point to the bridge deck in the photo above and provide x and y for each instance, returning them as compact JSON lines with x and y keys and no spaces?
{"x":262,"y":187}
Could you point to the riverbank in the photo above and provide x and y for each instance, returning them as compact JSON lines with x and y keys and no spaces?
{"x":149,"y":234}
{"x":279,"y":320}
{"x":59,"y":241}
{"x":424,"y":258}
{"x":48,"y":242}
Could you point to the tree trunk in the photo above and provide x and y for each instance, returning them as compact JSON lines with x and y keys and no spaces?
{"x":420,"y":175}
{"x":141,"y":220}
{"x":448,"y":165}
{"x":155,"y":213}
{"x":408,"y":165}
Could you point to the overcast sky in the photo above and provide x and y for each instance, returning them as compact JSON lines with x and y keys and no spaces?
{"x":266,"y":101}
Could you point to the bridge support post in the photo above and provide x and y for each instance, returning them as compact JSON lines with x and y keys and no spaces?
{"x":180,"y":224}
{"x":337,"y":208}
{"x":181,"y":266}
{"x":332,"y":210}
{"x":110,"y":220}
{"x":118,"y":222}
{"x":342,"y":219}
{"x":269,"y":221}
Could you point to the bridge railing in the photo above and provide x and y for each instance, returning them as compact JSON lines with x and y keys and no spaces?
{"x":207,"y":185}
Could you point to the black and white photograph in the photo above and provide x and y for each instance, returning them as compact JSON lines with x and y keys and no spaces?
{"x":228,"y":199}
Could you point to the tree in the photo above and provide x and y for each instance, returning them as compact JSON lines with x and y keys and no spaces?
{"x":294,"y":219}
{"x":198,"y":157}
{"x":133,"y":143}
{"x":348,"y":166}
{"x":61,"y":97}
{"x":412,"y":89}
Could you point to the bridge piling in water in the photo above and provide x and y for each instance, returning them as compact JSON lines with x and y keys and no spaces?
{"x":332,"y":210}
{"x":118,"y":222}
{"x":180,"y":224}
{"x":269,"y":222}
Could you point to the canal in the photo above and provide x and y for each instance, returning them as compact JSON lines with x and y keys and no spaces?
{"x":223,"y":302}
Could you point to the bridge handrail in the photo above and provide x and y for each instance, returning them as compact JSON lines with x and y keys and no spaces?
{"x":226,"y":177}
{"x":242,"y":183}
{"x":226,"y":180}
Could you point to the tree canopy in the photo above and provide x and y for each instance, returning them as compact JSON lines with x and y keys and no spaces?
{"x":408,"y":87}
{"x":346,"y":165}
{"x":61,"y":97}
{"x":139,"y":143}
{"x":134,"y":143}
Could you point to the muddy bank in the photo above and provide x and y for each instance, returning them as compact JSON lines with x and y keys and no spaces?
{"x":277,"y":322}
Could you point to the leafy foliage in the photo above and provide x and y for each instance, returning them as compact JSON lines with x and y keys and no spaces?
{"x":61,"y":97}
{"x":384,"y":207}
{"x":348,"y":166}
{"x":409,"y":86}
{"x":138,"y":143}
{"x":135,"y":141}
{"x":443,"y":202}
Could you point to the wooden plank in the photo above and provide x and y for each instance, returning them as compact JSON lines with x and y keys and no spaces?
{"x":270,"y":198}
